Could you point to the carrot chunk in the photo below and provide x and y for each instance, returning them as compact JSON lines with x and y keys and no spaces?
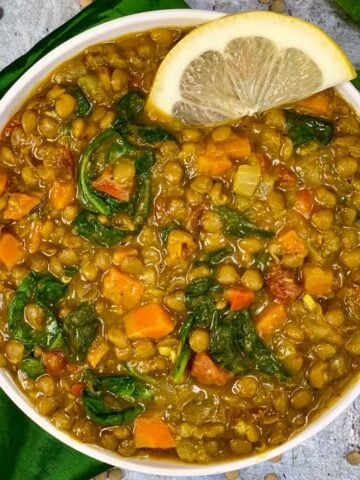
{"x":148,"y":321}
{"x":207,"y":372}
{"x":291,"y":243}
{"x":152,"y":433}
{"x":62,"y":194}
{"x":318,"y":104}
{"x":122,"y":289}
{"x":240,"y":297}
{"x":317,"y":280}
{"x":11,"y":250}
{"x":237,"y":147}
{"x":4,"y":178}
{"x":270,"y":319}
{"x":19,"y":205}
{"x":214,"y":161}
{"x":304,"y":202}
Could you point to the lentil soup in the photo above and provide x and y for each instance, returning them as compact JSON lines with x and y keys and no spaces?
{"x":172,"y":289}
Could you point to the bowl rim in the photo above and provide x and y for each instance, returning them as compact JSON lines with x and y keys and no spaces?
{"x":10,"y":102}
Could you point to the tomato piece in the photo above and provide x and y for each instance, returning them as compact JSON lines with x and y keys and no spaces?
{"x":77,"y":388}
{"x":106,"y":183}
{"x":282,"y":286}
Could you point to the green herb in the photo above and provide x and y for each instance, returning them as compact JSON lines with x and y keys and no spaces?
{"x":87,"y":225}
{"x":128,"y":108}
{"x":200,"y":302}
{"x":217,"y":256}
{"x":178,"y":371}
{"x":33,"y":367}
{"x":43,"y":290}
{"x":70,"y":271}
{"x":262,"y":260}
{"x":149,"y":135}
{"x":306,"y":128}
{"x":141,"y":376}
{"x":79,"y":330}
{"x":165,"y":231}
{"x":238,"y":224}
{"x":83,"y":105}
{"x":201,"y":286}
{"x":236,"y":346}
{"x":110,"y":400}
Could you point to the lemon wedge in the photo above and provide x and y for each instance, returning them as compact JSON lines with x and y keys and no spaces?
{"x":243,"y":64}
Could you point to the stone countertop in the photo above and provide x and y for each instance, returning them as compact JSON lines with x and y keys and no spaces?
{"x":324,"y":456}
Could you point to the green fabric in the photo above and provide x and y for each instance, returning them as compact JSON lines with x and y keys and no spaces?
{"x":26,"y":451}
{"x":99,"y":11}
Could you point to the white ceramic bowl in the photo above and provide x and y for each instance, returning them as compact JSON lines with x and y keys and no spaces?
{"x":8,"y":105}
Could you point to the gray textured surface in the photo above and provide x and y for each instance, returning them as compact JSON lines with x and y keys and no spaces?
{"x":323,"y":457}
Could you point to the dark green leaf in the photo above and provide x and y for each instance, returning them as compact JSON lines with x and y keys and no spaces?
{"x":178,"y":371}
{"x":201,"y":286}
{"x":49,"y":290}
{"x":262,"y":260}
{"x":79,"y":330}
{"x":87,"y":225}
{"x":129,"y":107}
{"x":236,"y":346}
{"x":305,"y":128}
{"x":351,"y":7}
{"x":97,"y":411}
{"x":164,"y":232}
{"x":83,"y":105}
{"x":237,"y":224}
{"x":149,"y":135}
{"x":217,"y":256}
{"x":33,"y":367}
{"x":70,"y":271}
{"x":140,"y":376}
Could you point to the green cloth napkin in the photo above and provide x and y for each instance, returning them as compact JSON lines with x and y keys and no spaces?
{"x":26,"y":451}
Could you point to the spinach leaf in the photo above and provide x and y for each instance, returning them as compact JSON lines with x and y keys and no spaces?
{"x":139,"y":375}
{"x":305,"y":128}
{"x":148,"y":134}
{"x":109,"y":400}
{"x":87,"y":225}
{"x":33,"y":367}
{"x":201,"y":286}
{"x":70,"y":271}
{"x":199,"y":301}
{"x":79,"y":330}
{"x":237,"y":224}
{"x":98,"y":411}
{"x":43,"y":290}
{"x":164,"y":233}
{"x":262,"y":260}
{"x":217,"y":256}
{"x":83,"y":105}
{"x":129,"y":107}
{"x":236,"y":346}
{"x":178,"y":371}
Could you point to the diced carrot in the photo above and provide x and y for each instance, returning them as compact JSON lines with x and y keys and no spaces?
{"x":62,"y":194}
{"x":122,"y":252}
{"x":152,"y":433}
{"x":214,"y":161}
{"x":19,"y":205}
{"x":207,"y":372}
{"x":317,"y":280}
{"x":4,"y":178}
{"x":270,"y":319}
{"x":77,"y":388}
{"x":55,"y":362}
{"x":148,"y":321}
{"x":291,"y":243}
{"x":106,"y":183}
{"x":122,"y":289}
{"x":240,"y":297}
{"x":318,"y":104}
{"x":304,"y":202}
{"x":237,"y":147}
{"x":11,"y":250}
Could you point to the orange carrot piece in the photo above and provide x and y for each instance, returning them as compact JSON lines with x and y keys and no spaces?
{"x":317,"y":280}
{"x":4,"y":178}
{"x":270,"y":319}
{"x":62,"y":194}
{"x":152,"y":433}
{"x":237,"y":147}
{"x":318,"y":104}
{"x":148,"y":321}
{"x":19,"y":205}
{"x":77,"y":388}
{"x":240,"y":297}
{"x":304,"y":202}
{"x":207,"y":372}
{"x":291,"y":243}
{"x":11,"y":250}
{"x":106,"y":183}
{"x":122,"y":289}
{"x":214,"y":161}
